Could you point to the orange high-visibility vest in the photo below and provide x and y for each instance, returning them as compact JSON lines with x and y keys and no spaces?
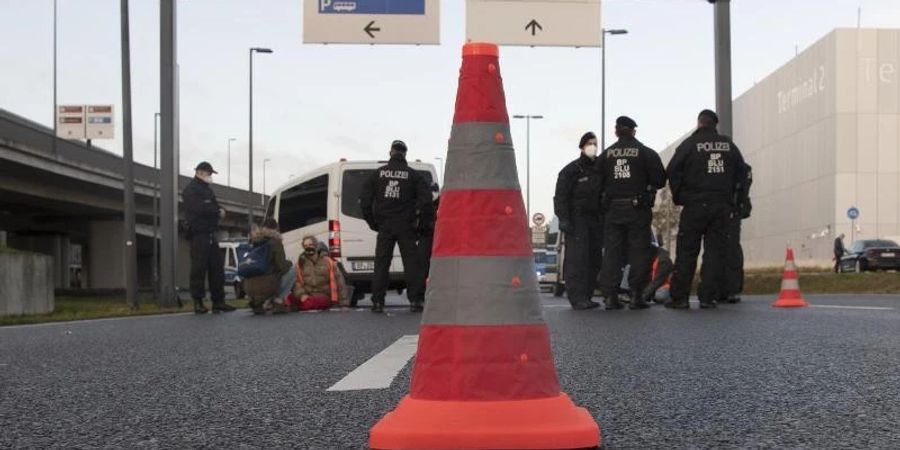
{"x":332,"y":281}
{"x":653,"y":274}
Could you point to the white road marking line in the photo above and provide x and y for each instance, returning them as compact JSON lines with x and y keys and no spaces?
{"x":867,"y":308}
{"x":379,"y":371}
{"x":556,"y":306}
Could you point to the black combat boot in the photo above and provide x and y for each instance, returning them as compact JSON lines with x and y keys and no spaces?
{"x":222,"y":307}
{"x":708,"y":304}
{"x":377,"y":307}
{"x":199,"y":308}
{"x":637,"y":301}
{"x":678,"y":304}
{"x":612,"y":302}
{"x":417,"y":307}
{"x":585,"y":305}
{"x":733,"y":299}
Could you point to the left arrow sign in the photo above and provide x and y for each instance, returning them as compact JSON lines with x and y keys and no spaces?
{"x":369,"y":29}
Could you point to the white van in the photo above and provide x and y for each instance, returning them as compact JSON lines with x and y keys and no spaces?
{"x":325,"y":203}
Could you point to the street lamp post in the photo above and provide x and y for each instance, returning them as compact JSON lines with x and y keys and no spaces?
{"x":250,"y":202}
{"x":603,"y":34}
{"x":156,"y":186}
{"x":262,"y":199}
{"x":230,"y":140}
{"x":528,"y":118}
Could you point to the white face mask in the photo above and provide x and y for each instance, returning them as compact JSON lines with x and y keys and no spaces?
{"x":590,"y":151}
{"x":207,"y":179}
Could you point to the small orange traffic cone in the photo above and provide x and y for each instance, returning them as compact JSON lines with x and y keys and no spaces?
{"x":484,"y":375}
{"x":790,"y":296}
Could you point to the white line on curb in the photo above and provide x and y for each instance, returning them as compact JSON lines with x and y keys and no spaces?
{"x":379,"y":371}
{"x":868,"y":308}
{"x":91,"y":321}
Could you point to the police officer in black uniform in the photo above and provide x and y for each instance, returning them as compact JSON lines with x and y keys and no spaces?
{"x":577,"y":204}
{"x":703,"y":174}
{"x":393,"y":199}
{"x":203,"y":212}
{"x":631,"y":174}
{"x":733,"y":283}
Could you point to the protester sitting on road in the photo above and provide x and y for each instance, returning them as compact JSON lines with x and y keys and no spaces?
{"x":272,"y":287}
{"x":320,"y":283}
{"x":661,"y":271}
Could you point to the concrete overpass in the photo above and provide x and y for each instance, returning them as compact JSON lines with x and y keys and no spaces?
{"x":68,"y":204}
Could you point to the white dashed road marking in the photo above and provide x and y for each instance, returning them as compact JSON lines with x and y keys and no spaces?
{"x":379,"y":371}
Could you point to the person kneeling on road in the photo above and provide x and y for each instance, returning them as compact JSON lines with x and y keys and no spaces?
{"x":276,"y":283}
{"x":319,"y":282}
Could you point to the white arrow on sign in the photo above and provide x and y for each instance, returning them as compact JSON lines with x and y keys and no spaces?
{"x":371,"y":22}
{"x":556,"y":23}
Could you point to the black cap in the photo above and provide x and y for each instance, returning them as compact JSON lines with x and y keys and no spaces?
{"x":708,"y":113}
{"x":206,"y":167}
{"x":625,"y":121}
{"x":398,"y":145}
{"x":584,"y":139}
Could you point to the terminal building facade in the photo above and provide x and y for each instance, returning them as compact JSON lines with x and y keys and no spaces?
{"x":821,"y":134}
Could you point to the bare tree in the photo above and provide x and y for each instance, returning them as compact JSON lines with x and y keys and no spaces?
{"x":665,"y":218}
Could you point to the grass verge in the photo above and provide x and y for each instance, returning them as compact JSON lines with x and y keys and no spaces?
{"x":81,"y":308}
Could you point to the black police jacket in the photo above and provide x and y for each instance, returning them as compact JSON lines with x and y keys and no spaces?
{"x":396,"y":193}
{"x":706,"y":168}
{"x":631,"y":170}
{"x":577,"y":190}
{"x":200,"y":207}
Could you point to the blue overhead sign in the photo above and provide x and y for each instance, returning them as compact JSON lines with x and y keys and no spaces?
{"x":853,"y":213}
{"x":397,"y":7}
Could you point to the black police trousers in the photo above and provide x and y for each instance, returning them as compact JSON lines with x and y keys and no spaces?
{"x":404,"y":235}
{"x":707,"y":223}
{"x":207,"y":265}
{"x":626,"y":238}
{"x":584,"y":255}
{"x":426,"y":241}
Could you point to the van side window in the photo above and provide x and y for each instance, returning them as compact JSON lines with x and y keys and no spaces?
{"x":270,"y":209}
{"x":304,"y":204}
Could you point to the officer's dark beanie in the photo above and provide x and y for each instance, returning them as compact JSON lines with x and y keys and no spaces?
{"x":584,"y":139}
{"x":709,"y":114}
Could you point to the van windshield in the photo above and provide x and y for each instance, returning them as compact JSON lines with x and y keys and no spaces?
{"x":353,"y":181}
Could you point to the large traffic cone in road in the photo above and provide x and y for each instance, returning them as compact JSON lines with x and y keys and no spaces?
{"x":484,"y":375}
{"x":790,"y":296}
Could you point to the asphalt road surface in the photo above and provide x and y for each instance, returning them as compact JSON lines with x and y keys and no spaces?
{"x":741,"y":376}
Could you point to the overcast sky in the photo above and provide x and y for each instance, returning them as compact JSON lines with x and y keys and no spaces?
{"x":315,"y":103}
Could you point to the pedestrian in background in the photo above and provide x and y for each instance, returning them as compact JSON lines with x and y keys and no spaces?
{"x":577,"y":204}
{"x":839,"y":252}
{"x":203,"y":213}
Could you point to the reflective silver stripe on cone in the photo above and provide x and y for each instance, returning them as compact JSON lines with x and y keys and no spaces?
{"x":492,"y":290}
{"x":790,"y":285}
{"x":476,"y":160}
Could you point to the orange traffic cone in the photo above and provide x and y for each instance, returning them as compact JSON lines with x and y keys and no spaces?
{"x":790,"y":296}
{"x":484,"y":375}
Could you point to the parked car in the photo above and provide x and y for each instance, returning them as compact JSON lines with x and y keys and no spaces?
{"x":325,"y":203}
{"x":871,"y":255}
{"x":546,"y":268}
{"x":233,"y":252}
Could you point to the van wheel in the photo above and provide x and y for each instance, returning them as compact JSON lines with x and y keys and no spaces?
{"x":858,"y":268}
{"x":239,"y":290}
{"x":559,"y":289}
